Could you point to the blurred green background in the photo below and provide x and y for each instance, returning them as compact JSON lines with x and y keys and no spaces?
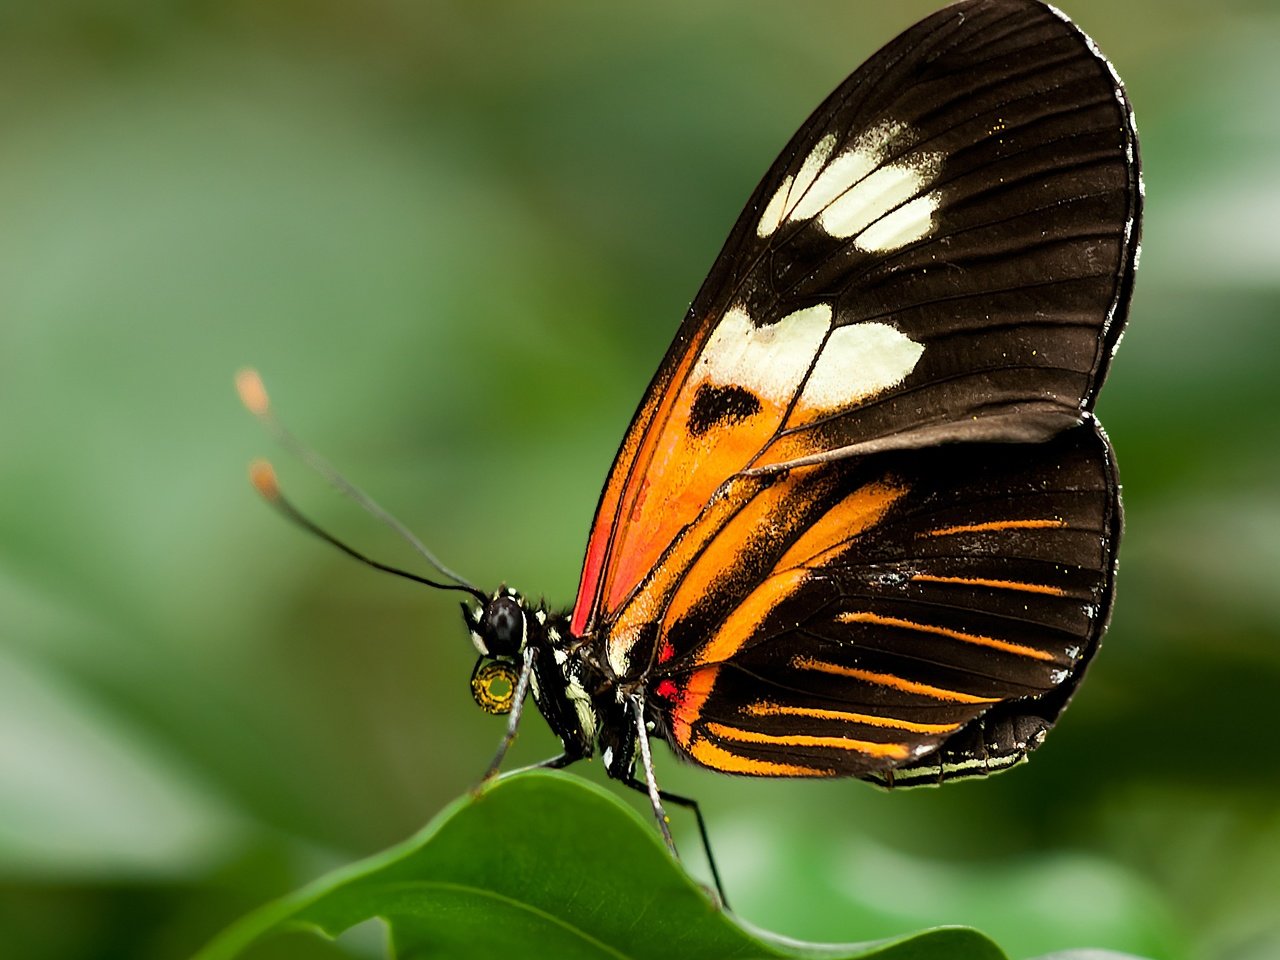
{"x":456,"y":238}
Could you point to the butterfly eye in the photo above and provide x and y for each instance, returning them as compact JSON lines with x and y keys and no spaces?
{"x":493,"y":685}
{"x":504,"y":626}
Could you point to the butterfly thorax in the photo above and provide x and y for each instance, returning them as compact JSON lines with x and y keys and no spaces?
{"x":576,"y":693}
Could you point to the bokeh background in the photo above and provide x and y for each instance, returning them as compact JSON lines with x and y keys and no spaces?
{"x":457,"y":238}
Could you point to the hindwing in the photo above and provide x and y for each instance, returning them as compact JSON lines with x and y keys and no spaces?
{"x":887,"y":608}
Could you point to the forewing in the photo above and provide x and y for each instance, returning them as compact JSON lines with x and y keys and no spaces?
{"x":919,"y":593}
{"x":943,"y":252}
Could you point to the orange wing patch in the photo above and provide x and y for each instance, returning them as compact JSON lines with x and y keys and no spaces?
{"x":645,"y":608}
{"x":733,"y":400}
{"x":689,"y":701}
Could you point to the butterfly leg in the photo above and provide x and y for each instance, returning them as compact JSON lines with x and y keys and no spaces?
{"x":650,"y":784}
{"x":554,"y":763}
{"x":658,"y":796}
{"x":513,"y":718}
{"x":690,"y":804}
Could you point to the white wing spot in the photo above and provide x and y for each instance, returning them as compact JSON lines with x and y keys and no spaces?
{"x":812,"y":164}
{"x":882,"y":206}
{"x":910,"y":222}
{"x":772,"y":216}
{"x":868,"y":200}
{"x":886,"y":210}
{"x":858,"y":361}
{"x":781,"y":206}
{"x":849,"y":169}
{"x":770,"y":361}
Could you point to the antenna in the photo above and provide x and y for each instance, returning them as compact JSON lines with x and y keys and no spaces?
{"x":263,"y":477}
{"x":253,"y":394}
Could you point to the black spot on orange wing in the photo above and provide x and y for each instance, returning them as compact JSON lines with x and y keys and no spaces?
{"x":715,"y":406}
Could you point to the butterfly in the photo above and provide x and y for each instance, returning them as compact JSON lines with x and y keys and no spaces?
{"x":864,"y":522}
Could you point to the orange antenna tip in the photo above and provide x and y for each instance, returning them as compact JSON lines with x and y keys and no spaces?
{"x":252,"y":392}
{"x":263,"y":476}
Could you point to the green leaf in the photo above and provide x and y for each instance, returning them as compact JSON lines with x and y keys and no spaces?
{"x":545,"y":864}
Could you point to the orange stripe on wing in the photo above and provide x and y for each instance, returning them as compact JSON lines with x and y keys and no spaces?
{"x":858,"y":511}
{"x":997,"y":525}
{"x":649,"y":602}
{"x":718,"y":758}
{"x":765,"y":709}
{"x":741,"y":625}
{"x":889,"y":680}
{"x":995,"y":584}
{"x":770,"y":512}
{"x":894,"y":751}
{"x":693,"y":694}
{"x":1017,"y":649}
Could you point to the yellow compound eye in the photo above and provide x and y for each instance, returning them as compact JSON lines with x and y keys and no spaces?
{"x":493,"y":685}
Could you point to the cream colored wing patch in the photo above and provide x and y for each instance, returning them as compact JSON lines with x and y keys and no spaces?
{"x":831,"y":368}
{"x":771,"y":361}
{"x":858,"y":361}
{"x":882,"y":205}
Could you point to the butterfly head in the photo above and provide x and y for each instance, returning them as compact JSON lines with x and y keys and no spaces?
{"x":500,"y":627}
{"x":499,"y":631}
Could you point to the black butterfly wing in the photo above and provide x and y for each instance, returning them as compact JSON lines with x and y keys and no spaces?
{"x":927,"y":615}
{"x":944,"y":252}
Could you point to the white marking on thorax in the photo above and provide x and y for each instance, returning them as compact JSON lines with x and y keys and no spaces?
{"x":858,"y":361}
{"x":582,"y":706}
{"x":771,"y":360}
